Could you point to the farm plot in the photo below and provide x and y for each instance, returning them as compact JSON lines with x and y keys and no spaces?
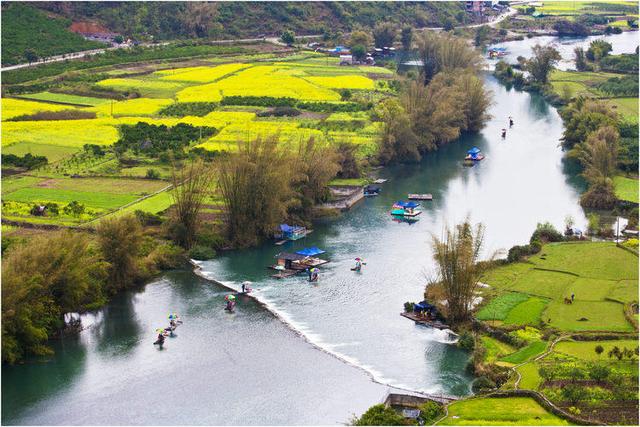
{"x":261,"y":80}
{"x":510,"y":411}
{"x":12,"y":107}
{"x":131,"y":107}
{"x":65,"y":98}
{"x":152,"y":88}
{"x":601,"y":277}
{"x":200,"y":74}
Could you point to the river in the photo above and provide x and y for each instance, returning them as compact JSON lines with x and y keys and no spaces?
{"x":253,"y":368}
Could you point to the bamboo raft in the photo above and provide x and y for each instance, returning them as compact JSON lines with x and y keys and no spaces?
{"x":423,"y":321}
{"x":380,"y":181}
{"x":425,"y":196}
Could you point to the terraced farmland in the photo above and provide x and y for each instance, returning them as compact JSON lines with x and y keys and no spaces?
{"x":258,"y":85}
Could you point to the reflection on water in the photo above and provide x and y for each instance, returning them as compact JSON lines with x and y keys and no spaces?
{"x":622,"y":43}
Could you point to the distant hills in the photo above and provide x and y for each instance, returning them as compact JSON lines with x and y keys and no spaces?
{"x":26,"y":25}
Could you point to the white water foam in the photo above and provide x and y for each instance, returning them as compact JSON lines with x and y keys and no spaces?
{"x":316,"y":340}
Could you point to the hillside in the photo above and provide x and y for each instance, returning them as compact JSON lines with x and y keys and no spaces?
{"x":25,"y":27}
{"x":171,"y":20}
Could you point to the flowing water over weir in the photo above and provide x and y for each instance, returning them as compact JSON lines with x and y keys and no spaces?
{"x":251,"y":368}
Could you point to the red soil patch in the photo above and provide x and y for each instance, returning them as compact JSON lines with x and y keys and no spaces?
{"x":85,"y":27}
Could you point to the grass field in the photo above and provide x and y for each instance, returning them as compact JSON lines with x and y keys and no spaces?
{"x":585,"y":350}
{"x":627,"y":107}
{"x":530,"y":378}
{"x":600,"y":275}
{"x":525,"y":353}
{"x":626,"y":188}
{"x":510,"y":411}
{"x":496,"y":349}
{"x":602,"y":7}
{"x":65,"y":98}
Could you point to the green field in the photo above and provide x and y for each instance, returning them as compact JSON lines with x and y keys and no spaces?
{"x":496,"y":349}
{"x":626,"y":188}
{"x":627,"y":107}
{"x":602,"y":7}
{"x":600,"y":275}
{"x":508,"y":411}
{"x":585,"y":350}
{"x":65,"y":98}
{"x":525,"y":353}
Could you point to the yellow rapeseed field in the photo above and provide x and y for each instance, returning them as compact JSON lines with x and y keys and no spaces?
{"x":262,"y":80}
{"x":131,"y":107}
{"x":148,"y":87}
{"x":67,"y":133}
{"x":201,"y":74}
{"x":17,"y":107}
{"x":343,"y":82}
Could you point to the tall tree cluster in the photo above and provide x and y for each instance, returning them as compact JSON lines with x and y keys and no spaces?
{"x":447,"y":99}
{"x":456,"y":254}
{"x":266,"y":183}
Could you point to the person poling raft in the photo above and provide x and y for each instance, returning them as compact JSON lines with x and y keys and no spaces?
{"x":161,"y":334}
{"x":510,"y":121}
{"x":231,"y":303}
{"x":504,"y":133}
{"x":174,"y":321}
{"x":313,"y":274}
{"x":246,"y":287}
{"x":359,"y":264}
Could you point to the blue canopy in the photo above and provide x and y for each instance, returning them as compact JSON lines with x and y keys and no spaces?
{"x":409,"y":204}
{"x":312,"y":251}
{"x":286,"y":228}
{"x":474,"y":150}
{"x":423,"y":306}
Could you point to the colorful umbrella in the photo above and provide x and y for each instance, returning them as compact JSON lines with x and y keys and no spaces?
{"x":357,"y":259}
{"x":230,"y":298}
{"x":160,"y":330}
{"x":315,"y":270}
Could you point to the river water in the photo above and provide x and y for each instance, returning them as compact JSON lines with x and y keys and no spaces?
{"x":253,"y":368}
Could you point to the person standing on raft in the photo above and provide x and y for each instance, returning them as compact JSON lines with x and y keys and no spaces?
{"x":510,"y":121}
{"x":504,"y":133}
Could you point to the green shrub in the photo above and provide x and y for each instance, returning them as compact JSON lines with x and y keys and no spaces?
{"x":380,"y":415}
{"x":483,"y":383}
{"x":260,"y":101}
{"x":201,"y":253}
{"x":430,"y":411}
{"x":408,"y":307}
{"x":280,"y":112}
{"x":466,"y":341}
{"x":546,"y":232}
{"x":28,"y":161}
{"x":148,"y":218}
{"x":181,"y":109}
{"x":152,"y":174}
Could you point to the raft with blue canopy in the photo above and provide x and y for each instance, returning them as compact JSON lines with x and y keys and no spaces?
{"x":312,"y":251}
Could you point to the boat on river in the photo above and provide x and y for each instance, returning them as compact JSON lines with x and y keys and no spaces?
{"x":473,"y":155}
{"x":426,"y":196}
{"x":405,"y":209}
{"x":290,"y":264}
{"x":372,"y":190}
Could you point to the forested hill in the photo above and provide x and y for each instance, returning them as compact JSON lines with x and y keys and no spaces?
{"x":171,"y":20}
{"x":29,"y":34}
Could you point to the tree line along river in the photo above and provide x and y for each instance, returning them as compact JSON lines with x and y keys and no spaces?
{"x":250,"y":367}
